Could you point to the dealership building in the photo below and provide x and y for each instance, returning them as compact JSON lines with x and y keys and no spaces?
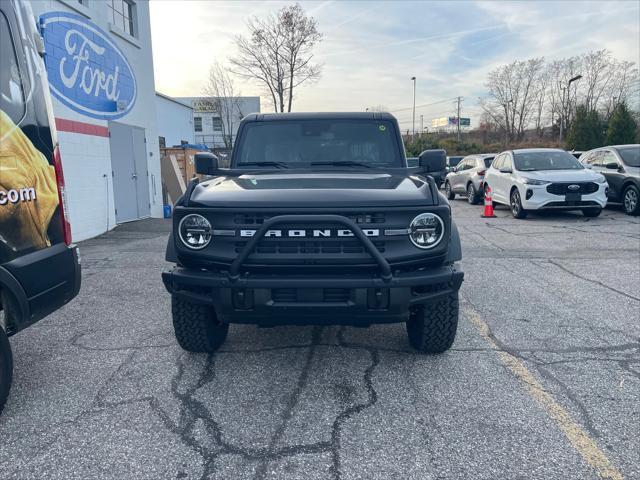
{"x":99,"y":63}
{"x":210,"y":126}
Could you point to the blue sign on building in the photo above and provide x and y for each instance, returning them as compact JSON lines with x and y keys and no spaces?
{"x":86,"y":69}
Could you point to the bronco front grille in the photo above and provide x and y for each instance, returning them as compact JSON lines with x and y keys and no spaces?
{"x":324,"y":246}
{"x":584,"y":188}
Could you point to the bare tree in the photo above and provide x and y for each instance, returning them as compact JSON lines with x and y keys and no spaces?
{"x":277,"y":53}
{"x":512,"y":91}
{"x":220,"y":87}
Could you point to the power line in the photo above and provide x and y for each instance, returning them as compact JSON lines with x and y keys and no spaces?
{"x":421,"y":106}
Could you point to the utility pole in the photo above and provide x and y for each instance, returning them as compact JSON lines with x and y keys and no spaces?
{"x":459,"y":100}
{"x":414,"y":107}
{"x":421,"y":125}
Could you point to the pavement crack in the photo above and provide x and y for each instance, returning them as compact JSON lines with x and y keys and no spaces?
{"x":597,"y":282}
{"x":287,"y":413}
{"x":344,"y":416}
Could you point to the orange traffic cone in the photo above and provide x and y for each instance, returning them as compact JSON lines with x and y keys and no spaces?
{"x":488,"y":204}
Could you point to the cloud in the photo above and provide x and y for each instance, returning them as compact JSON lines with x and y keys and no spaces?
{"x":370,"y":50}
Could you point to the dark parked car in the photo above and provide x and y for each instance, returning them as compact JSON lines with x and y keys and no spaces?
{"x":467,"y":178}
{"x":620,"y":165}
{"x":454,"y":160}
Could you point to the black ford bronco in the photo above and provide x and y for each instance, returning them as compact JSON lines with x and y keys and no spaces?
{"x":318,"y":220}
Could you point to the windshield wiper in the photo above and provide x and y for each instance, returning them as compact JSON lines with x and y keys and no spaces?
{"x":265,"y":164}
{"x":348,"y":163}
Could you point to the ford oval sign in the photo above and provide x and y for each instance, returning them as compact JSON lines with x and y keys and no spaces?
{"x":87,"y":71}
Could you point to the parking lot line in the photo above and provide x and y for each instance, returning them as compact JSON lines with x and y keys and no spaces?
{"x":578,"y":438}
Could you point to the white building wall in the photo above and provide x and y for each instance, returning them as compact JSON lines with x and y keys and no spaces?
{"x":86,"y":156}
{"x":174,"y":119}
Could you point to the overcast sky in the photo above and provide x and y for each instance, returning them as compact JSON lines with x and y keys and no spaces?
{"x":370,"y":50}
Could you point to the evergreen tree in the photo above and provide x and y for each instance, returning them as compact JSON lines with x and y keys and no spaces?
{"x":622,"y":127}
{"x":586,"y":130}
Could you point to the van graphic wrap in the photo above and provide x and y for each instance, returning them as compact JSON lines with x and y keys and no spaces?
{"x":87,"y":71}
{"x":28,"y":191}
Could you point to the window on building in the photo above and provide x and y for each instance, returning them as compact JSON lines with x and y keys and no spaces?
{"x":163,"y":142}
{"x":197,"y":124}
{"x":217,"y":124}
{"x":122,"y":14}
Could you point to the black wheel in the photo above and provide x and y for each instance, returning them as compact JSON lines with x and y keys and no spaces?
{"x":447,"y":189}
{"x":432,"y":327}
{"x":631,"y":200}
{"x":6,"y":368}
{"x":196,"y":326}
{"x":516,"y":205}
{"x":591,"y":212}
{"x":472,"y":194}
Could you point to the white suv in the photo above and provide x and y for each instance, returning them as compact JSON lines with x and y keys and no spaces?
{"x":545,"y":178}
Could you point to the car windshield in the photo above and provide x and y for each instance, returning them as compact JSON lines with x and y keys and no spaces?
{"x":487,"y":161}
{"x":630,"y":155}
{"x":547,"y":160}
{"x":322,"y":142}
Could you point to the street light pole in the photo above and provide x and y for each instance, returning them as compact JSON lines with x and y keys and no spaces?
{"x":414,"y":107}
{"x":421,"y":124}
{"x":562,"y":117}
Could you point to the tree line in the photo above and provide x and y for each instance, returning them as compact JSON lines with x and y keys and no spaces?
{"x":537,"y":95}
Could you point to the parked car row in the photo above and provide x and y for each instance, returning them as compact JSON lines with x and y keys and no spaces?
{"x":535,"y":179}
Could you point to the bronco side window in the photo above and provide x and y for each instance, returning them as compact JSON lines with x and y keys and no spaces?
{"x":11,"y":88}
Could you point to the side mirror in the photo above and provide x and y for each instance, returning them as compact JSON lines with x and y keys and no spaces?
{"x":433,"y":161}
{"x":506,"y":170}
{"x":587,"y":165}
{"x":206,"y":163}
{"x":611,"y":165}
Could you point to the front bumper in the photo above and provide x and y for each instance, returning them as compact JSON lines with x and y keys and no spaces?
{"x":540,"y":199}
{"x":356,"y":299}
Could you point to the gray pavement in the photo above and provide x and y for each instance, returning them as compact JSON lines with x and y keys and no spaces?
{"x":101,"y":389}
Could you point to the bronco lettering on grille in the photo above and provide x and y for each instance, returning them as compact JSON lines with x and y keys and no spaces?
{"x":316,"y":233}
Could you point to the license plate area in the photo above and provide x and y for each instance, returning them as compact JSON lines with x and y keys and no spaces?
{"x":573,"y":197}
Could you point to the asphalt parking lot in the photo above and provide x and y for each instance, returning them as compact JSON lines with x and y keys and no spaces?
{"x":542,"y":382}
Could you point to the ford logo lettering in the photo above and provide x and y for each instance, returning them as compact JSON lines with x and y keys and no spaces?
{"x":86,"y":69}
{"x":574,"y":187}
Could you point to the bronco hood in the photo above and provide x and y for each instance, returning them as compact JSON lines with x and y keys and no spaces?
{"x":317,"y":189}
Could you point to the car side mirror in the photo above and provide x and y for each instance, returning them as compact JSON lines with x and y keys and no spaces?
{"x":588,"y":165}
{"x":612,"y":166}
{"x":206,"y":163}
{"x":432,"y":161}
{"x":506,"y":170}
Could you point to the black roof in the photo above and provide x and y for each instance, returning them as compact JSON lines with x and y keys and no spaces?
{"x":266,"y":117}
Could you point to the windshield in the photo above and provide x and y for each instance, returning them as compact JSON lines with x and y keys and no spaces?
{"x":305,"y":143}
{"x":487,"y":161}
{"x":630,"y":155}
{"x":547,"y":160}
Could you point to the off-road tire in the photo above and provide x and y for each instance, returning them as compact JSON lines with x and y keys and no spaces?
{"x":6,"y":368}
{"x":591,"y":212}
{"x":628,"y":195}
{"x":196,"y":326}
{"x":432,"y":327}
{"x":472,"y":194}
{"x":448,"y":191}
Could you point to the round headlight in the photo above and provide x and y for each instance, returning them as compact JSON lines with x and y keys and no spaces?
{"x":195,"y":231}
{"x":426,"y":230}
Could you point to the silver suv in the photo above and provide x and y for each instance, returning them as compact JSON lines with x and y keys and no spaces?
{"x":467,"y":178}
